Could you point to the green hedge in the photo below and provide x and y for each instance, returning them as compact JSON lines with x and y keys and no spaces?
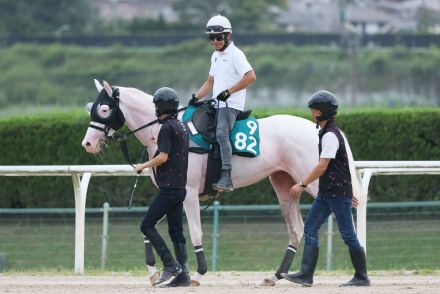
{"x":54,"y":139}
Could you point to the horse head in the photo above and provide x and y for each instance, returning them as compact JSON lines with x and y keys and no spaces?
{"x":112,"y":108}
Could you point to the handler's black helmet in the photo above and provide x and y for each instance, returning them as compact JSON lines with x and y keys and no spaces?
{"x":325,"y":102}
{"x":166,"y":101}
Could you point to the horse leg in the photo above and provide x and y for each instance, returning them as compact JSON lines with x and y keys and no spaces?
{"x":153,"y":273}
{"x":282,"y":182}
{"x":192,"y":211}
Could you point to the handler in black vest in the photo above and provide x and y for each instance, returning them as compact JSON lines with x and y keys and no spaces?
{"x":335,"y":195}
{"x":171,"y":161}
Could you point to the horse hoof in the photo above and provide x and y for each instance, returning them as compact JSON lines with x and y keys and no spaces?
{"x":195,"y":283}
{"x":268,"y":282}
{"x":154,"y":277}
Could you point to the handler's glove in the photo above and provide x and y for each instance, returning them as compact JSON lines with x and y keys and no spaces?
{"x":193,"y":101}
{"x":223,"y":96}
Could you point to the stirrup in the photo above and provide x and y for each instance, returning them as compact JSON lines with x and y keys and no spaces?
{"x":222,"y":189}
{"x":208,"y":196}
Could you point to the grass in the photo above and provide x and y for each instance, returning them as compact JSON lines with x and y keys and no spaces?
{"x":246,"y":243}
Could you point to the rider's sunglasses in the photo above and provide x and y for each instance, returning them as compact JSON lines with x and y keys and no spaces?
{"x":218,"y":37}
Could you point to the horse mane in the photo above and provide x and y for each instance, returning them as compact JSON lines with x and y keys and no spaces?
{"x":355,"y":178}
{"x":137,"y":92}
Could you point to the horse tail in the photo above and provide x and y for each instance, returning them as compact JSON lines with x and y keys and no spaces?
{"x":355,"y":177}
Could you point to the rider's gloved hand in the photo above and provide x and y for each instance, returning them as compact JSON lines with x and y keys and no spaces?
{"x":193,"y":101}
{"x":224,"y":95}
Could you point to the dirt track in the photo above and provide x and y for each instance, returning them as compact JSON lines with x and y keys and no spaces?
{"x":216,"y":283}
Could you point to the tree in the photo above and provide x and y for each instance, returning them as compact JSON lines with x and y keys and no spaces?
{"x":46,"y":17}
{"x":245,"y":15}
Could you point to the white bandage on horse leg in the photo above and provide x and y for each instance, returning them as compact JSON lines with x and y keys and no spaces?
{"x":151,"y":270}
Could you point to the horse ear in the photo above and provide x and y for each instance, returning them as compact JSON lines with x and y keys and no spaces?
{"x":98,"y":86}
{"x":108,"y":89}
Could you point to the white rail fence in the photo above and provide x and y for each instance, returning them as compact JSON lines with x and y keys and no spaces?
{"x":81,"y":175}
{"x":367,"y":169}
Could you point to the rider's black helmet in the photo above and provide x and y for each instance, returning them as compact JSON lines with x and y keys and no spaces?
{"x":166,"y":101}
{"x":325,"y":102}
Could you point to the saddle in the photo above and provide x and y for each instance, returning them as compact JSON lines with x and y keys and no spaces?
{"x":205,"y":123}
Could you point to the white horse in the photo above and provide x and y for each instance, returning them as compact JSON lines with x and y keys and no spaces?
{"x":288,"y":152}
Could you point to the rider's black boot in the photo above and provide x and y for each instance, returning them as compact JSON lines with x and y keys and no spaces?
{"x":224,"y":184}
{"x":359,"y":261}
{"x":308,"y":265}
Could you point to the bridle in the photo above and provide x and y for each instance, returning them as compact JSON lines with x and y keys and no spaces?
{"x":115,"y":119}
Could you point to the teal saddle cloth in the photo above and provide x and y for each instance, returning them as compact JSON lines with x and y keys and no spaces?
{"x":245,"y":135}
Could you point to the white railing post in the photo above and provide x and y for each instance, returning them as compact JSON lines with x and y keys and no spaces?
{"x":106,"y":208}
{"x":329,"y":243}
{"x":361,"y":217}
{"x":80,"y":186}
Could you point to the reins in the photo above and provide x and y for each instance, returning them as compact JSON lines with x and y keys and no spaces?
{"x":121,"y":137}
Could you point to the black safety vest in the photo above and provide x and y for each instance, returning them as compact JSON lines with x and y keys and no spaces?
{"x":336,"y":180}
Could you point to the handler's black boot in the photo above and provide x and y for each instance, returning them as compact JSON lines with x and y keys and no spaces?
{"x":359,"y":261}
{"x":224,"y":184}
{"x":169,"y":271}
{"x":308,"y":265}
{"x":182,"y":279}
{"x":171,"y":267}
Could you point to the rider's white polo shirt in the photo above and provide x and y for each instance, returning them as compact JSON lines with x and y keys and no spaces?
{"x":228,"y":68}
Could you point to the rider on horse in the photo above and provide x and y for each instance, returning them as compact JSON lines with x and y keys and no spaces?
{"x":229,"y":76}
